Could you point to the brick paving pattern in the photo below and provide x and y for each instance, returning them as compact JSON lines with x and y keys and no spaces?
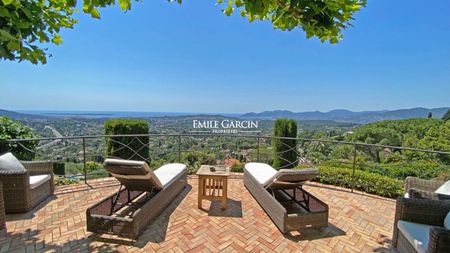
{"x":358,"y":223}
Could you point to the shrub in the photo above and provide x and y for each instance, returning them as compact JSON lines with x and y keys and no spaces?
{"x":59,"y":168}
{"x":195,"y":159}
{"x":285,"y":150}
{"x":10,"y":129}
{"x":237,"y":167}
{"x":65,"y":181}
{"x":93,"y":166}
{"x":425,"y":170}
{"x":400,"y":170}
{"x":364,"y":181}
{"x":127,"y":147}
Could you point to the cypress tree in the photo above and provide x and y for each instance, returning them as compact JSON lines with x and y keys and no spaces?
{"x":285,"y":150}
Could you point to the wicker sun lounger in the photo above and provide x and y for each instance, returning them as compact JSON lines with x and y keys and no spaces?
{"x":280,"y":194}
{"x":143,"y":195}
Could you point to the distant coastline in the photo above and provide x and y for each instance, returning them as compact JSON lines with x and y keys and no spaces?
{"x":111,"y":114}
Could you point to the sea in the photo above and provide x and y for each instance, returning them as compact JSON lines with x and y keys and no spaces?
{"x":116,"y":114}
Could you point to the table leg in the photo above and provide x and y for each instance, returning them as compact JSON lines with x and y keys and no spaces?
{"x":200,"y":191}
{"x":224,"y":193}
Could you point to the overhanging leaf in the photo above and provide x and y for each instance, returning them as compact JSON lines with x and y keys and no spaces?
{"x":6,"y":36}
{"x":7,"y":2}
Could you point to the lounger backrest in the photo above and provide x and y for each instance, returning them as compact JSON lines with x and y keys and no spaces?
{"x":291,"y":177}
{"x":134,"y":175}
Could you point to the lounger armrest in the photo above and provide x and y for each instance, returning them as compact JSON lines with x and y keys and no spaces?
{"x":439,"y":240}
{"x":424,"y":211}
{"x":422,"y":184}
{"x":420,"y":194}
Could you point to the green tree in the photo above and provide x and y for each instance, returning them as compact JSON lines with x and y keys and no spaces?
{"x":430,"y":115}
{"x":26,"y":25}
{"x":10,"y":129}
{"x":285,"y":150}
{"x":446,"y":115}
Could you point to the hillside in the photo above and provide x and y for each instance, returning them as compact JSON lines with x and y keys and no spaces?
{"x":351,"y":116}
{"x":19,"y":116}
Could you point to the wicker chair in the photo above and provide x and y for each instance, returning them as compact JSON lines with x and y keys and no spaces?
{"x":19,"y":196}
{"x":422,"y":188}
{"x":422,"y":211}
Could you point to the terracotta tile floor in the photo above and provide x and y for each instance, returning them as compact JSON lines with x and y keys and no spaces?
{"x":357,"y":223}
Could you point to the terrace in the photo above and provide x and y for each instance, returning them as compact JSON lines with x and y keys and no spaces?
{"x":358,"y":221}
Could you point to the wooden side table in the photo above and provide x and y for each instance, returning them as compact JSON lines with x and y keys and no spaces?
{"x":213,"y":184}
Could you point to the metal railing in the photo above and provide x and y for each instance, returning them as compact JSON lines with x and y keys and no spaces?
{"x":247,"y":148}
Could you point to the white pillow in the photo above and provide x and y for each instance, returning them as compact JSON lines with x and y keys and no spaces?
{"x":444,"y":189}
{"x":447,"y":221}
{"x":8,"y":162}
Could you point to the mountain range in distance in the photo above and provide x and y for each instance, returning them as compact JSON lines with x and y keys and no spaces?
{"x":334,"y":115}
{"x":351,"y":116}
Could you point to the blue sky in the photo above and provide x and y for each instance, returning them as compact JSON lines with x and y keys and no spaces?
{"x":192,"y":58}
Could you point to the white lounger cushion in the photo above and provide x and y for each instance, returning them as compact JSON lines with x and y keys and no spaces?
{"x":167,"y":173}
{"x":38,"y":180}
{"x":444,"y":189}
{"x":262,"y":172}
{"x":417,"y":234}
{"x":267,"y":176}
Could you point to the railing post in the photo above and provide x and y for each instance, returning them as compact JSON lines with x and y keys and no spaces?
{"x":179,"y":148}
{"x":257,"y":149}
{"x":354,"y":167}
{"x":84,"y":160}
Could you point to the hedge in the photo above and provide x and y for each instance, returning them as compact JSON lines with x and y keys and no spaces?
{"x":364,"y":181}
{"x":422,"y":169}
{"x":285,"y":150}
{"x":126,"y":147}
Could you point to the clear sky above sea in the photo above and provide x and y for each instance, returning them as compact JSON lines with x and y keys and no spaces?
{"x":192,"y":58}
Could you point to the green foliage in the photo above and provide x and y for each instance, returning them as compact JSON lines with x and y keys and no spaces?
{"x":323,"y":19}
{"x":393,"y":132}
{"x":237,"y":167}
{"x":364,"y":181}
{"x":65,"y":181}
{"x":74,"y":168}
{"x":285,"y":150}
{"x":399,"y":170}
{"x":10,"y":129}
{"x":420,"y":133}
{"x":195,"y":159}
{"x":93,"y":166}
{"x":127,"y":147}
{"x":59,"y":168}
{"x":421,"y":169}
{"x":25,"y":26}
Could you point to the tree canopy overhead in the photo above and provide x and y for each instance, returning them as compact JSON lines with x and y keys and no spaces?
{"x":25,"y":26}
